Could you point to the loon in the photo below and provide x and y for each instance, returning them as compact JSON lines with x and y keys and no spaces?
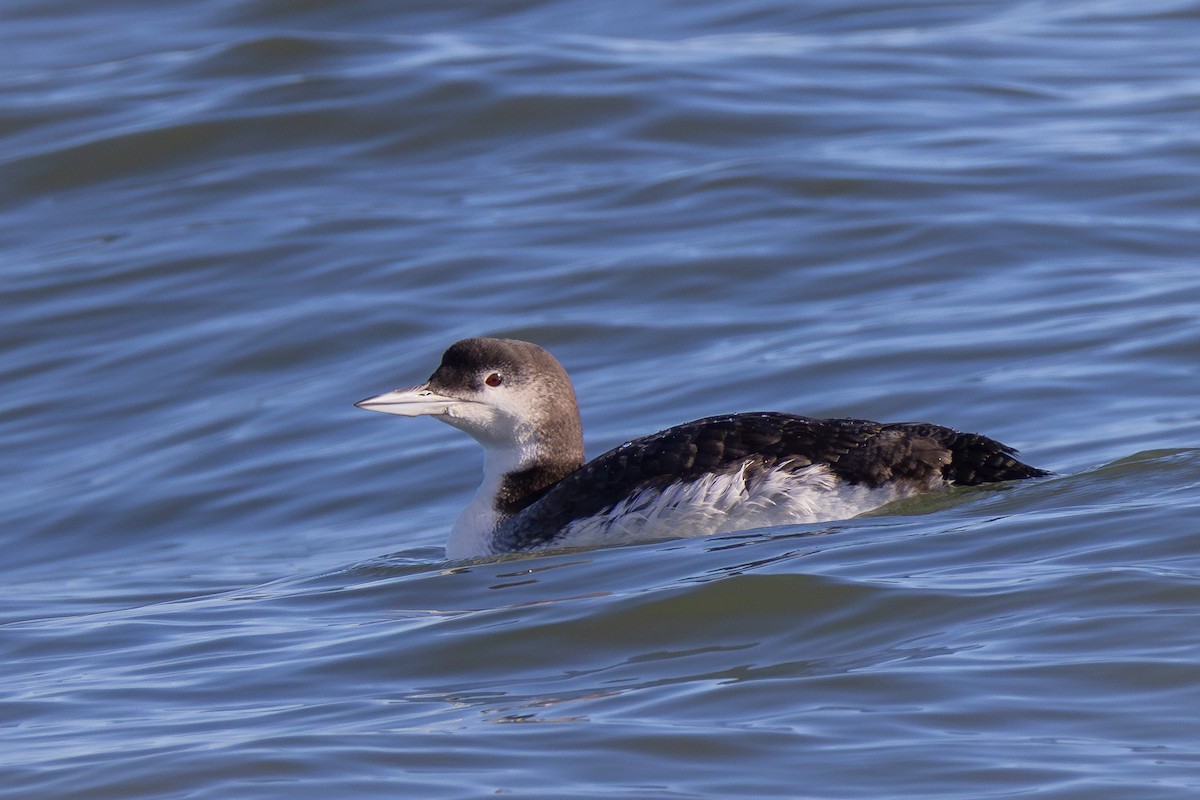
{"x":713,"y":475}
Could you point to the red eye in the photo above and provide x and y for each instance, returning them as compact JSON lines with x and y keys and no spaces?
{"x":494,"y":379}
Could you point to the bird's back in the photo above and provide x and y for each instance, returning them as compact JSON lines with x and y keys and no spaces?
{"x":847,"y":454}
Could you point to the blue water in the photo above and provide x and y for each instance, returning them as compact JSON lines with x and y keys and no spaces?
{"x":222,"y":223}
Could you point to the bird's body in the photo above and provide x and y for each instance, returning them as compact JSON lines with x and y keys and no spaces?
{"x":712,"y":475}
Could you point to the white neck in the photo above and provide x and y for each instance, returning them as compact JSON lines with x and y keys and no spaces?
{"x":472,"y":533}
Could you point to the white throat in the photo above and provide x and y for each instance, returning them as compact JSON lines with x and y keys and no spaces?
{"x":473,"y":532}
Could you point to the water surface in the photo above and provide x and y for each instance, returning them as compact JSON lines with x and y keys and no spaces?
{"x":224,"y":222}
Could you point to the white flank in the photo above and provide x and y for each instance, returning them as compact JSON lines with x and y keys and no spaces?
{"x":722,"y":503}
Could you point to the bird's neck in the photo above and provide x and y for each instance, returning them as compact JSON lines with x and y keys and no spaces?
{"x":513,"y":478}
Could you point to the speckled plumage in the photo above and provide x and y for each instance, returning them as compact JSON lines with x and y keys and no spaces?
{"x":915,"y":456}
{"x":706,"y":476}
